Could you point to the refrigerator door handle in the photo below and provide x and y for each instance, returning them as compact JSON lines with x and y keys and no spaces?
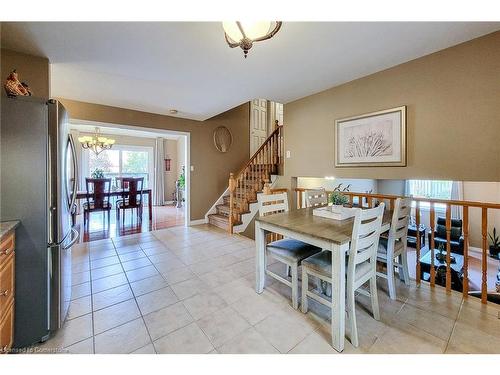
{"x":75,"y":235}
{"x":75,"y":171}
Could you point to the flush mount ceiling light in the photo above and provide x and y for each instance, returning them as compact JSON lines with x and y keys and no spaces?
{"x":244,"y":34}
{"x":96,"y":143}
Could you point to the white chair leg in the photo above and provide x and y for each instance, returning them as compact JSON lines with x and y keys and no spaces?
{"x":390,"y":277}
{"x":305,"y":286}
{"x":406,"y":272}
{"x":352,"y":317}
{"x":374,"y":297}
{"x":288,"y":271}
{"x":295,"y":286}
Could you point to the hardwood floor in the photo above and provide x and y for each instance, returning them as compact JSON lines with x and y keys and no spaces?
{"x":98,"y":227}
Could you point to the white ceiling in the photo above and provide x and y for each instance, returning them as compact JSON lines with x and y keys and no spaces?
{"x":188,"y":66}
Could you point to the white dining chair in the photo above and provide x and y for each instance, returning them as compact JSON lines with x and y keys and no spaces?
{"x":316,"y":197}
{"x":288,"y":251}
{"x":392,"y":250}
{"x":361,"y":266}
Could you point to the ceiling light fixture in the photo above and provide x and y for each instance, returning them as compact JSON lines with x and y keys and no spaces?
{"x":96,"y":143}
{"x":244,"y":34}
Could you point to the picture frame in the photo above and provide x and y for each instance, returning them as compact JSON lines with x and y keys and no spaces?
{"x":376,"y":139}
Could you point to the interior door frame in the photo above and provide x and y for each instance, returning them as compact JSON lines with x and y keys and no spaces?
{"x":160,"y":132}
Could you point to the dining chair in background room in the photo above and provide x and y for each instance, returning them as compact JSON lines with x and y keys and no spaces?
{"x":361,"y":266}
{"x":97,"y":197}
{"x":393,"y":250}
{"x":288,"y":251}
{"x":316,"y":197}
{"x":131,"y":197}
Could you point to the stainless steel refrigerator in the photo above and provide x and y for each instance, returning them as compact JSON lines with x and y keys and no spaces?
{"x":38,"y":187}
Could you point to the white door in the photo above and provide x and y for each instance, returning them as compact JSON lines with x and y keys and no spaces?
{"x":274,"y":112}
{"x":258,"y":124}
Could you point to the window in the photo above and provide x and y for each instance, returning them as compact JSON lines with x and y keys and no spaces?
{"x":429,"y":189}
{"x":121,"y":161}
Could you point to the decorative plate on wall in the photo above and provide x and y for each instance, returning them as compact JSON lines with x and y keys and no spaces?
{"x":222,"y":139}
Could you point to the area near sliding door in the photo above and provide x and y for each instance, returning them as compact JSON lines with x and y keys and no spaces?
{"x":121,"y":161}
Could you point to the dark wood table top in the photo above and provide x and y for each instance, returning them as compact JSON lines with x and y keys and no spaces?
{"x":83,"y":194}
{"x":304,"y":222}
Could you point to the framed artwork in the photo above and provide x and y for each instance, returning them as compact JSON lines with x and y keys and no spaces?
{"x":376,"y":139}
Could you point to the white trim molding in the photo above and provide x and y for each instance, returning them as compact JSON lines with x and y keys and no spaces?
{"x":198,"y":222}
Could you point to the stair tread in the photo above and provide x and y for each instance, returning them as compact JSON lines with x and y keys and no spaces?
{"x":219,"y":218}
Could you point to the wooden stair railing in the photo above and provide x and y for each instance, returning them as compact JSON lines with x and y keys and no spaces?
{"x":371,"y":199}
{"x":244,"y":186}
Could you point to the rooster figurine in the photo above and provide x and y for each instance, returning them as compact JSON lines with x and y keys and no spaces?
{"x":14,"y":88}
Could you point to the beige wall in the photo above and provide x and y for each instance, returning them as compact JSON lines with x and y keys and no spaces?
{"x":33,"y":70}
{"x":211,"y":168}
{"x":453,"y":101}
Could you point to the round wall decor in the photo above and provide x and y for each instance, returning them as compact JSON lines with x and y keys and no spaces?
{"x":222,"y":139}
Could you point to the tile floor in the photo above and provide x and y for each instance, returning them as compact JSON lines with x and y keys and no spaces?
{"x":190,"y":290}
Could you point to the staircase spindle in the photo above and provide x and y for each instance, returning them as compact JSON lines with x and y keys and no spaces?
{"x":369,"y":201}
{"x":432,"y":244}
{"x":484,"y":264}
{"x":417,"y":246}
{"x":465,"y":289}
{"x":232,"y":188}
{"x":448,"y":248}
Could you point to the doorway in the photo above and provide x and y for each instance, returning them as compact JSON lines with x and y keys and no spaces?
{"x":159,"y":157}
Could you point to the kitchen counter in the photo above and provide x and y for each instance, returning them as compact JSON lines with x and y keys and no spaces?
{"x":6,"y":227}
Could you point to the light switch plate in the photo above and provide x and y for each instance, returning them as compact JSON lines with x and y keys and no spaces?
{"x":288,"y":154}
{"x":192,"y":168}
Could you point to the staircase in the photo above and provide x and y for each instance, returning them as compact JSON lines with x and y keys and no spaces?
{"x":238,"y":205}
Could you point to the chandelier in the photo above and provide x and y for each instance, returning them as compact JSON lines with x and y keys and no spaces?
{"x":96,"y":143}
{"x":244,"y":34}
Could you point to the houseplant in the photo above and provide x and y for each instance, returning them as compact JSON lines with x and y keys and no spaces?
{"x":337,"y":200}
{"x":97,"y":173}
{"x":495,"y":244}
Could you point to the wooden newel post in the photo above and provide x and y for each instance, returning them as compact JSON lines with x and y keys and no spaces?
{"x":232,"y":189}
{"x":267,"y":189}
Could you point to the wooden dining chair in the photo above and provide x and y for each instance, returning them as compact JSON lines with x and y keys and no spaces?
{"x":288,"y":251}
{"x":316,"y":197}
{"x":361,"y":266}
{"x":97,"y":197}
{"x":392,"y":250}
{"x":131,"y":197}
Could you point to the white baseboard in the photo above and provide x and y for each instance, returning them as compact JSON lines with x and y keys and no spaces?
{"x":198,"y":222}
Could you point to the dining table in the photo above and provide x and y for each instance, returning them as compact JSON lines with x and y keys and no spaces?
{"x":82,"y":194}
{"x":328,"y":234}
